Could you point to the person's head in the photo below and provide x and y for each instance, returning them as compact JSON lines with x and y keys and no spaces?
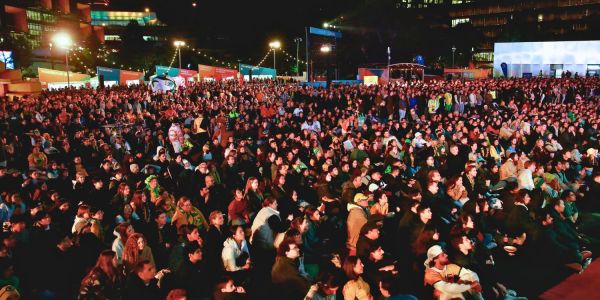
{"x":546,"y":219}
{"x":226,"y":285}
{"x":289,"y":249}
{"x":107,"y":262}
{"x":160,"y":217}
{"x":193,"y":252}
{"x":466,"y":221}
{"x":185,"y":204}
{"x":461,"y":243}
{"x":433,"y":187}
{"x":252,"y":184}
{"x":270,"y":202}
{"x":436,"y":257}
{"x":190,"y":232}
{"x":361,"y":200}
{"x":380,"y":197}
{"x":435,"y":176}
{"x":530,"y":165}
{"x":424,"y":213}
{"x":389,"y":286}
{"x":558,"y":205}
{"x":357,"y":180}
{"x":353,"y":267}
{"x":123,"y":189}
{"x":236,"y":232}
{"x":312,"y":214}
{"x":328,"y":283}
{"x":376,"y":252}
{"x":209,"y":181}
{"x":523,"y":197}
{"x":124,"y":230}
{"x":454,"y":149}
{"x":569,"y":196}
{"x":216,"y":218}
{"x":370,"y":230}
{"x":145,"y":270}
{"x":471,"y":171}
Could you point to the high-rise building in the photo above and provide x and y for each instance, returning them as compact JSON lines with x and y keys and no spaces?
{"x":526,"y":21}
{"x":38,"y":20}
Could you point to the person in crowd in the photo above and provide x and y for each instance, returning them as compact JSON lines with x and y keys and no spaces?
{"x":236,"y":254}
{"x":104,"y":281}
{"x":186,"y":214}
{"x":136,"y":250}
{"x":285,"y":274}
{"x":141,"y":283}
{"x":357,"y":217}
{"x":192,"y":275}
{"x":448,"y":280}
{"x":356,"y":287}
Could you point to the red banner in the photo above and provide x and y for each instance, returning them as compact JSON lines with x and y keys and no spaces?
{"x":216,"y":73}
{"x":130,"y":75}
{"x":185,"y":73}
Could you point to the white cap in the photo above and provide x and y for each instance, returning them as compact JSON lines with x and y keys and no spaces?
{"x":432,"y":253}
{"x":373,"y":187}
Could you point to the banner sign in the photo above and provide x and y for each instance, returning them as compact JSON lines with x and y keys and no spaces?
{"x":51,"y":76}
{"x":129,"y":76}
{"x":325,"y":32}
{"x":216,"y":73}
{"x":119,"y":76}
{"x":174,"y":72}
{"x":257,"y":71}
{"x":382,"y":74}
{"x":109,"y":74}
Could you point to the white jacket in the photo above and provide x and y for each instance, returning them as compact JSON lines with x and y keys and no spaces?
{"x":231,"y":252}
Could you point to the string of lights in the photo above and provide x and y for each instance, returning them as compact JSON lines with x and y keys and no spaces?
{"x":212,"y":59}
{"x":293,"y":58}
{"x":264,"y":58}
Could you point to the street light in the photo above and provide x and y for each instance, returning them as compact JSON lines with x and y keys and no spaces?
{"x":274,"y":45}
{"x":179,"y":44}
{"x":453,"y":50}
{"x":325,"y":48}
{"x":325,"y":25}
{"x":146,"y":9}
{"x":298,"y":41}
{"x":63,"y":40}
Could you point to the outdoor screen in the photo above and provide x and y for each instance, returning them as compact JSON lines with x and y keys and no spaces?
{"x":538,"y":56}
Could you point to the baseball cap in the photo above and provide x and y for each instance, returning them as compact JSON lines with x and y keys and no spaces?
{"x":432,"y":253}
{"x":360,"y":197}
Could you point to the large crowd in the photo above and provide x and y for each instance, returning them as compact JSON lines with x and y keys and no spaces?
{"x":272,"y":190}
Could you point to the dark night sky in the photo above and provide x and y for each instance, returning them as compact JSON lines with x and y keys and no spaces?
{"x":241,"y":28}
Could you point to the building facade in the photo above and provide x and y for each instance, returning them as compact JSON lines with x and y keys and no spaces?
{"x":526,"y":21}
{"x":38,"y":20}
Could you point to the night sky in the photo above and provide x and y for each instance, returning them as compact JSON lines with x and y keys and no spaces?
{"x":241,"y":28}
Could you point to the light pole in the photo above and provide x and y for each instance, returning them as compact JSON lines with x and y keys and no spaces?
{"x":51,"y":57}
{"x":325,"y":49}
{"x":274,"y":45}
{"x":298,"y":41}
{"x":453,"y":50}
{"x":179,"y":44}
{"x":63,"y":40}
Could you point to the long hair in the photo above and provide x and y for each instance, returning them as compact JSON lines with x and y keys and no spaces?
{"x":249,"y":186}
{"x":348,"y":267}
{"x":105,"y":264}
{"x":131,"y":253}
{"x":121,"y":189}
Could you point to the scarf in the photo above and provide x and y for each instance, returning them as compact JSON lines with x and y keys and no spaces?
{"x":194,"y":217}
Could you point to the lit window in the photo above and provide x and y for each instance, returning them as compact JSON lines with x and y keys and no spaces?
{"x":460,"y":21}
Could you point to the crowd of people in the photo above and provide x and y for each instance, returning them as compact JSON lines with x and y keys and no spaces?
{"x":270,"y":190}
